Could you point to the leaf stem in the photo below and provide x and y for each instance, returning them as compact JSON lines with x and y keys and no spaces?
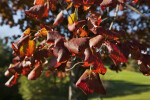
{"x":74,"y":66}
{"x":117,"y":9}
{"x":134,"y":9}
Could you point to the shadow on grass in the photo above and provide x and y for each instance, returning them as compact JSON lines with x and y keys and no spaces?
{"x":121,"y":88}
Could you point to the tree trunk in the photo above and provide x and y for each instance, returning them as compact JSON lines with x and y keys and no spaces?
{"x":74,"y":92}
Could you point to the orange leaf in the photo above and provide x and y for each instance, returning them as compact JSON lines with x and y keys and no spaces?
{"x":31,"y":47}
{"x":39,"y":2}
{"x":42,"y":32}
{"x":83,"y":32}
{"x":72,"y":18}
{"x":26,"y":32}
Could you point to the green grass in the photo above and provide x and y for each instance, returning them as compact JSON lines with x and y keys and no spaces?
{"x":124,"y":85}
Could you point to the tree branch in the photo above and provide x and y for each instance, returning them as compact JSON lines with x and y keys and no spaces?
{"x":116,"y":11}
{"x":74,"y":66}
{"x":134,"y":9}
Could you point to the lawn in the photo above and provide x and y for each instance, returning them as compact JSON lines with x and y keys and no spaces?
{"x":124,"y":85}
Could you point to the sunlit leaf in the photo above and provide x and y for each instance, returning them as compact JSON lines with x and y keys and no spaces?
{"x":72,"y":18}
{"x":85,"y":83}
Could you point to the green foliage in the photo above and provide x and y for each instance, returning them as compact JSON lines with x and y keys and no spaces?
{"x":132,"y":65}
{"x":44,"y":88}
{"x":5,"y":59}
{"x":125,"y":85}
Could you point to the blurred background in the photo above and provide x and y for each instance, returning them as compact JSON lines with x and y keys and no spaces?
{"x":124,"y":82}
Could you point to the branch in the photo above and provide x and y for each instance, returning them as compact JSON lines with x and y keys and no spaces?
{"x":134,"y":9}
{"x":117,"y":9}
{"x":74,"y":66}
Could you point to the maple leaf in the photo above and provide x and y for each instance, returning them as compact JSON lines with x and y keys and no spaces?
{"x":59,"y":18}
{"x":85,"y":83}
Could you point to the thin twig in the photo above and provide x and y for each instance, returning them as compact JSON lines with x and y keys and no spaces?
{"x":74,"y":66}
{"x":116,"y":11}
{"x":66,"y":10}
{"x":134,"y":9}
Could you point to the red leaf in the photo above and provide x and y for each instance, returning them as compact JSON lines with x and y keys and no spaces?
{"x":108,"y":34}
{"x":16,"y":59}
{"x":77,"y":3}
{"x":77,"y":45}
{"x":17,"y":68}
{"x":38,"y":11}
{"x":75,"y":26}
{"x":85,"y":83}
{"x":98,"y":66}
{"x":52,"y":4}
{"x":39,"y":2}
{"x":12,"y":81}
{"x":52,"y":36}
{"x":144,"y":63}
{"x":61,"y":52}
{"x":97,"y":41}
{"x":113,"y":3}
{"x":116,"y":55}
{"x":135,"y":1}
{"x":35,"y":73}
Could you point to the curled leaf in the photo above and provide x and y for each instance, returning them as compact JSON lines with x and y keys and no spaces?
{"x":97,"y":41}
{"x":72,"y":18}
{"x":116,"y":55}
{"x":12,"y":81}
{"x":38,"y":11}
{"x":35,"y":73}
{"x":77,"y":45}
{"x":59,"y":18}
